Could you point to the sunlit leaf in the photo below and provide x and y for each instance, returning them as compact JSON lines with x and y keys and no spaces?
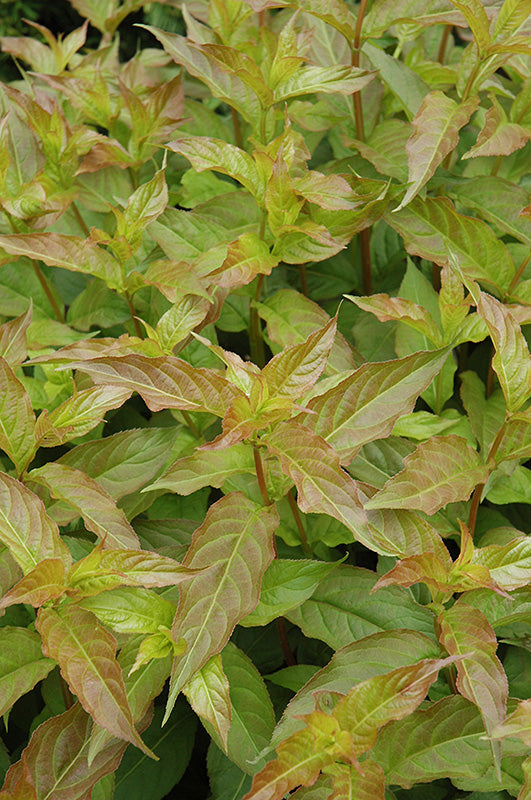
{"x":442,"y":470}
{"x":13,"y":338}
{"x":206,"y":468}
{"x":86,"y":654}
{"x":208,"y":694}
{"x":78,"y":415}
{"x":22,"y":664}
{"x":17,"y":420}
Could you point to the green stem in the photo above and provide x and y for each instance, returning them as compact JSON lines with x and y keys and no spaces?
{"x":136,"y":323}
{"x":470,"y":82}
{"x":304,"y":279}
{"x":518,"y":273}
{"x":496,"y":166}
{"x":476,"y":497}
{"x":298,"y":522}
{"x":191,"y":424}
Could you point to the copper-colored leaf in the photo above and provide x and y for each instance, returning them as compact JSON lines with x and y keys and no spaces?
{"x":164,"y":382}
{"x":26,"y":528}
{"x":46,"y":582}
{"x":99,"y":511}
{"x":363,"y":782}
{"x":86,"y":653}
{"x":235,"y":540}
{"x":13,"y":338}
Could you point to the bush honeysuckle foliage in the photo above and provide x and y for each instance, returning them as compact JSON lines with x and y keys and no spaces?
{"x":265,"y":290}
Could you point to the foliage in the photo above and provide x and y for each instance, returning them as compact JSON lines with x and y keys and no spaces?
{"x":264,"y":402}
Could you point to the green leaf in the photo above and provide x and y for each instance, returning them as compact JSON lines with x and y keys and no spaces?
{"x":246,"y":258}
{"x":17,"y":420}
{"x":13,"y":338}
{"x":227,"y":781}
{"x":498,"y":201}
{"x":86,"y":654}
{"x":434,"y":230}
{"x":138,"y":777}
{"x":286,"y":584}
{"x":445,"y":740}
{"x":480,"y":676}
{"x":348,"y":782}
{"x":253,"y":718}
{"x":99,"y":511}
{"x":409,"y":90}
{"x":498,"y":136}
{"x":515,"y":439}
{"x":56,"y":761}
{"x":167,"y":382}
{"x":78,"y":415}
{"x":224,"y":85}
{"x":401,"y":309}
{"x":442,"y":470}
{"x":334,"y":12}
{"x":128,"y":609}
{"x":377,"y":701}
{"x":208,"y":694}
{"x":242,"y":66}
{"x":486,"y":414}
{"x":205,"y":153}
{"x":509,"y":565}
{"x":511,"y":361}
{"x":241,"y":534}
{"x":70,"y":252}
{"x":206,"y":468}
{"x":322,"y":486}
{"x":124,"y":462}
{"x":328,"y":80}
{"x":291,"y":318}
{"x":295,"y":370}
{"x":517,"y":724}
{"x":366,"y":658}
{"x":366,"y":405}
{"x":436,"y":129}
{"x":143,"y":206}
{"x":512,"y":15}
{"x":22,"y":664}
{"x":26,"y":529}
{"x":512,"y":488}
{"x":342,"y":609}
{"x":476,"y":17}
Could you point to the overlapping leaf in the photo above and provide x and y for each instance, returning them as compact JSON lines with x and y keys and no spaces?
{"x":163,"y":382}
{"x":235,"y":540}
{"x":442,"y":470}
{"x":86,"y":654}
{"x":206,"y":468}
{"x":79,"y":414}
{"x":17,"y":420}
{"x":22,"y":664}
{"x":208,"y":694}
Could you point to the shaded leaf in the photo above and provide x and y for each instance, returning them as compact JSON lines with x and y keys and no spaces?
{"x":442,"y":470}
{"x":341,"y":609}
{"x":235,"y":540}
{"x":22,"y":664}
{"x":86,"y":654}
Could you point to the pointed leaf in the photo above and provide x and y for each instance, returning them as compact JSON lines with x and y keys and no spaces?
{"x":476,"y":16}
{"x":46,"y":582}
{"x":241,"y":65}
{"x":295,"y":370}
{"x":442,"y":470}
{"x":436,"y":132}
{"x":124,"y":462}
{"x":328,"y":80}
{"x":235,"y":540}
{"x":13,"y":338}
{"x":376,"y":701}
{"x":286,"y":585}
{"x":86,"y":654}
{"x":208,"y":694}
{"x":70,"y":252}
{"x":387,"y":308}
{"x":26,"y":528}
{"x":433,"y":229}
{"x":206,"y":468}
{"x":498,"y":201}
{"x":56,"y":761}
{"x":163,"y":382}
{"x":79,"y":414}
{"x":511,"y":360}
{"x":356,"y":662}
{"x":128,"y":609}
{"x":22,"y":664}
{"x":246,"y":258}
{"x":480,"y":675}
{"x":517,"y":724}
{"x":99,"y":511}
{"x":301,"y":758}
{"x":322,"y":486}
{"x":366,"y":405}
{"x":291,"y":318}
{"x":205,"y":153}
{"x":17,"y":420}
{"x":349,"y":782}
{"x":445,"y":740}
{"x":509,"y":565}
